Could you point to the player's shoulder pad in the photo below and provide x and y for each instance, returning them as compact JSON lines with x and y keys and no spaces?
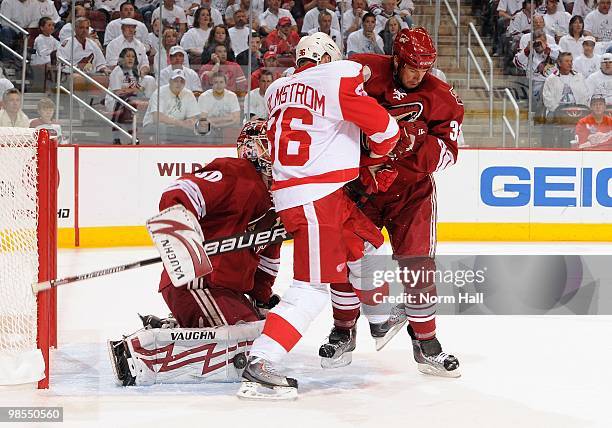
{"x":441,"y":90}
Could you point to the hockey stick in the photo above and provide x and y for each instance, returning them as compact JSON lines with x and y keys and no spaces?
{"x":213,"y":247}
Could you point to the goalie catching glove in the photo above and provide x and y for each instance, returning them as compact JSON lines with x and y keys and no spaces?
{"x":179,"y":240}
{"x":412,"y":137}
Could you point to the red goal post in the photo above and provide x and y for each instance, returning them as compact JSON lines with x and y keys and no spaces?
{"x":28,"y":253}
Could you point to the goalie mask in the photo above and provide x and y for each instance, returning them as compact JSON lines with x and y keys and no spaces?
{"x":253,"y":145}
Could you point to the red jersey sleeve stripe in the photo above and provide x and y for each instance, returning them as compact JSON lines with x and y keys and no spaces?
{"x":340,"y":176}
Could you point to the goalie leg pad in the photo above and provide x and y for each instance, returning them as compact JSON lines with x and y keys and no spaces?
{"x":184,"y":355}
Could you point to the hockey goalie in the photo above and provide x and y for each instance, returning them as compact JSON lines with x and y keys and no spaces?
{"x":217,"y":304}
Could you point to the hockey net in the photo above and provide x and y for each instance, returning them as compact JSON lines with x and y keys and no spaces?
{"x":28,"y":185}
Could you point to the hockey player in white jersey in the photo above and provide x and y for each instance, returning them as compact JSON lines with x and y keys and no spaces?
{"x":316,"y":116}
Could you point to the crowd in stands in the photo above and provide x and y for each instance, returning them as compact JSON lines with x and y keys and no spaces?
{"x":186,"y":63}
{"x":197,"y":51}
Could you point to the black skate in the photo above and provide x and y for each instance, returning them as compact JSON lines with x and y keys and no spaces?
{"x":261,"y":381}
{"x":431,"y":359}
{"x":338,"y":350}
{"x":120,"y":362}
{"x":385,"y":331}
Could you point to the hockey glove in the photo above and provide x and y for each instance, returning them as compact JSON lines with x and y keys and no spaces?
{"x":264,"y":308}
{"x":377,"y":178}
{"x":412,"y":136}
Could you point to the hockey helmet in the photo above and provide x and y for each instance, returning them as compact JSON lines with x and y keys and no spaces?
{"x":316,"y":45}
{"x":415,"y":48}
{"x":253,"y":145}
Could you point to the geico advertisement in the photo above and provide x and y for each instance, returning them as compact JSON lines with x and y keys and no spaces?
{"x":122,"y":186}
{"x":527,"y":186}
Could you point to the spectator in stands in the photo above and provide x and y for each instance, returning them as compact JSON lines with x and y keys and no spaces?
{"x":18,"y":12}
{"x":239,"y":33}
{"x":87,"y":54}
{"x":595,"y":130}
{"x":44,"y":44}
{"x":113,"y":29}
{"x":145,"y":9}
{"x":600,"y":82}
{"x":216,"y":16}
{"x":572,"y":42}
{"x":406,"y":9}
{"x":598,"y":23}
{"x":325,"y":26}
{"x":219,"y":106}
{"x":387,"y":10}
{"x":190,"y":7}
{"x":5,"y":84}
{"x":566,"y":86}
{"x":254,"y":102}
{"x":193,"y":41}
{"x":254,"y":52}
{"x":218,"y":36}
{"x":177,"y":58}
{"x":284,"y":39}
{"x":351,"y":19}
{"x":244,"y":5}
{"x":153,"y":36}
{"x":127,"y":39}
{"x":169,"y":39}
{"x":269,"y":19}
{"x":538,"y":24}
{"x":366,"y":40}
{"x":107,"y":7}
{"x":270,"y":64}
{"x":556,"y":20}
{"x":520,"y":24}
{"x":392,"y":27}
{"x":173,"y":15}
{"x":127,"y":82}
{"x":234,"y":77}
{"x":45,"y":109}
{"x":587,"y":63}
{"x":311,"y":19}
{"x":542,"y":65}
{"x":583,"y":7}
{"x":506,"y":9}
{"x":66,"y":31}
{"x":11,"y":115}
{"x":43,"y":8}
{"x":177,"y":114}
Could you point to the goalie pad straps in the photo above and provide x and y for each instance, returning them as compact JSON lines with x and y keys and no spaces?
{"x":191,"y":355}
{"x":179,"y":240}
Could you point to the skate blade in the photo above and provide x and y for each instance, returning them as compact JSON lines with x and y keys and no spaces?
{"x":334,"y":363}
{"x":111,"y":355}
{"x":382,"y":341}
{"x":432,"y":371}
{"x":256,"y":391}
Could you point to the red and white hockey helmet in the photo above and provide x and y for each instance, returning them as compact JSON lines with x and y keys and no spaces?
{"x":415,"y":48}
{"x":253,"y":145}
{"x":316,"y":45}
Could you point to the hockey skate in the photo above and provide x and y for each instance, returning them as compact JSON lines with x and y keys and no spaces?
{"x":431,"y":359}
{"x":120,"y":362}
{"x":338,"y":350}
{"x":260,"y":381}
{"x":384,"y":332}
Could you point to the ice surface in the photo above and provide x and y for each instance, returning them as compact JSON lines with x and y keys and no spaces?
{"x":518,"y":371}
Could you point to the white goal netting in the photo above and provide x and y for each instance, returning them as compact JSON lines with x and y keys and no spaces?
{"x":20,"y":361}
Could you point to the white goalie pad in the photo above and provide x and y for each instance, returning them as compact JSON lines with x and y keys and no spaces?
{"x":191,"y":355}
{"x":179,"y":240}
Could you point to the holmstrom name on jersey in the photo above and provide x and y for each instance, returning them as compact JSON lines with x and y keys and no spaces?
{"x":298,"y":93}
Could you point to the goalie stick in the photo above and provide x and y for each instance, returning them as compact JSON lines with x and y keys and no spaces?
{"x":213,"y":247}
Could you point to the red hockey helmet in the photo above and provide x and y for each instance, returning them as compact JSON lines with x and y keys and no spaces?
{"x":414,"y":47}
{"x":253,"y":145}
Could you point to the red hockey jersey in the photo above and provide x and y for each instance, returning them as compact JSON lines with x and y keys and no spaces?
{"x":228,"y":196}
{"x":433,"y":102}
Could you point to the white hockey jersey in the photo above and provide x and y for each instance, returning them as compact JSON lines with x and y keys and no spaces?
{"x":314,"y":128}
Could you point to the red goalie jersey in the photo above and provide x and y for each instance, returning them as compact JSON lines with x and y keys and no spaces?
{"x":228,"y":197}
{"x":433,"y":102}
